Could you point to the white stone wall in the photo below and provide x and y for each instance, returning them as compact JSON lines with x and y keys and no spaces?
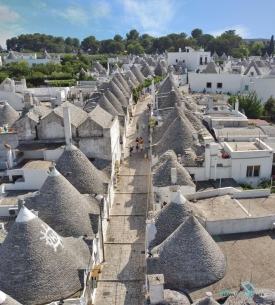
{"x":14,"y":100}
{"x":230,"y":82}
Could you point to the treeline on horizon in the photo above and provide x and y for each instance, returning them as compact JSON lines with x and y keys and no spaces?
{"x":229,"y":43}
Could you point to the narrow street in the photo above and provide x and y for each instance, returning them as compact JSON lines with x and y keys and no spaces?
{"x":123,"y":273}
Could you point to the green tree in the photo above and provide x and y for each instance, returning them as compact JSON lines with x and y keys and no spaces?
{"x":250,"y":103}
{"x":133,"y":34}
{"x":135,"y":48}
{"x":269,"y":106}
{"x":271,"y":45}
{"x":196,"y":33}
{"x":256,"y":48}
{"x":204,"y":39}
{"x":90,"y":44}
{"x":118,"y":38}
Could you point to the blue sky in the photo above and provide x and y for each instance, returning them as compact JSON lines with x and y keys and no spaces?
{"x":105,"y":18}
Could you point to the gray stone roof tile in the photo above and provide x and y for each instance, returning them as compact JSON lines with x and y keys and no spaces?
{"x":105,"y":104}
{"x":118,"y":94}
{"x":160,"y":70}
{"x":77,"y":114}
{"x":211,"y":68}
{"x":162,"y":171}
{"x":114,"y":101}
{"x":139,"y":76}
{"x":252,"y":64}
{"x":46,"y":55}
{"x":61,"y":206}
{"x":99,"y":116}
{"x":8,"y":115}
{"x":129,"y":74}
{"x":178,"y":137}
{"x":83,"y":175}
{"x":188,"y":258}
{"x":120,"y":86}
{"x":170,"y":218}
{"x":146,"y":71}
{"x":172,"y":297}
{"x":37,"y":265}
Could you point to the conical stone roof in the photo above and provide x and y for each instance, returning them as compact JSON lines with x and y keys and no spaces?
{"x":123,"y":82}
{"x":129,"y":74}
{"x":211,"y":68}
{"x":81,"y":172}
{"x":139,"y":76}
{"x":170,"y":218}
{"x":11,"y":55}
{"x":177,"y":137}
{"x":46,"y":55}
{"x":98,"y":66}
{"x":168,"y":85}
{"x":170,"y":101}
{"x":7,"y":300}
{"x":61,"y":206}
{"x":8,"y":115}
{"x":160,"y":70}
{"x":118,"y":94}
{"x":188,"y":258}
{"x":105,"y":104}
{"x":162,"y":172}
{"x":120,"y":86}
{"x":208,"y":300}
{"x":38,"y":266}
{"x":172,"y":297}
{"x":146,"y":71}
{"x":114,"y":101}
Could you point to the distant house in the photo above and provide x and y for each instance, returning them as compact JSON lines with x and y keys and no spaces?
{"x":32,"y":59}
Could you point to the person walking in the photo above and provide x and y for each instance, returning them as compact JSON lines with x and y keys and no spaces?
{"x":137,"y":148}
{"x":137,"y":127}
{"x":141,"y":144}
{"x":131,"y":150}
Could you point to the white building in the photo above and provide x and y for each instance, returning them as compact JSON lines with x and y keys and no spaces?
{"x":32,"y":59}
{"x":193,"y":59}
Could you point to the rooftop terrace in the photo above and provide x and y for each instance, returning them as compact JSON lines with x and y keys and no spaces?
{"x":250,"y":257}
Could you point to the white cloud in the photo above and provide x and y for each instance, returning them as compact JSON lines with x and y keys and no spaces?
{"x":83,"y":15}
{"x":241,"y":30}
{"x":152,"y":16}
{"x":38,"y":4}
{"x":9,"y":24}
{"x":6,"y":15}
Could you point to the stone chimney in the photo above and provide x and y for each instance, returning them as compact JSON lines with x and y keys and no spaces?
{"x":67,"y":125}
{"x":236,"y":107}
{"x":174,"y":175}
{"x":210,"y":102}
{"x":156,"y":288}
{"x":28,"y":100}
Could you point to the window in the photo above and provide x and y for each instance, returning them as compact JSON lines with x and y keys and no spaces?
{"x":176,"y":60}
{"x":208,"y":85}
{"x":205,"y":60}
{"x":251,"y":73}
{"x":246,"y":87}
{"x":253,"y":171}
{"x":219,"y":85}
{"x":201,"y":60}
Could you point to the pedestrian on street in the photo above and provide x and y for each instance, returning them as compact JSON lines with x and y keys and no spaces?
{"x":137,"y":127}
{"x":137,"y":148}
{"x":141,"y":144}
{"x":130,"y":150}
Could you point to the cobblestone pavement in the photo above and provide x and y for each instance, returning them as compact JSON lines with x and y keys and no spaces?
{"x":123,"y":274}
